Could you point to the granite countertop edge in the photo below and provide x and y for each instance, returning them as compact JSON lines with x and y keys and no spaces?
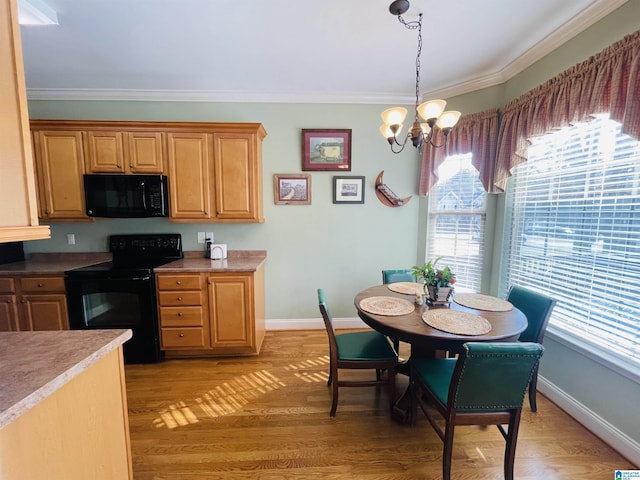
{"x":236,"y":261}
{"x":53,"y":263}
{"x":60,"y":375}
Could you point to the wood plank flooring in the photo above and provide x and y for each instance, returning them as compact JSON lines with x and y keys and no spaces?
{"x":267,"y":418}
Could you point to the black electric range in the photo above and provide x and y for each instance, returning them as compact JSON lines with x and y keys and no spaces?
{"x":122,"y":293}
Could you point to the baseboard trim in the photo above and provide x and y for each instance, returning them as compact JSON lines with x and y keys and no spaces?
{"x":616,"y":439}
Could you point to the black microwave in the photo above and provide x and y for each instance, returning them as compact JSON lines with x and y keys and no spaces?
{"x":126,"y":196}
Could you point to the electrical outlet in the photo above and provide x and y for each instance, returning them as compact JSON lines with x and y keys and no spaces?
{"x":208,"y":236}
{"x":71,"y":238}
{"x":201,"y":237}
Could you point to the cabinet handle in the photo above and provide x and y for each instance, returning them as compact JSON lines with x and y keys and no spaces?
{"x":181,"y":335}
{"x":179,"y":314}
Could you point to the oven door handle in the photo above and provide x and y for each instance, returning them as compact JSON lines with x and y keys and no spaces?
{"x":139,"y":279}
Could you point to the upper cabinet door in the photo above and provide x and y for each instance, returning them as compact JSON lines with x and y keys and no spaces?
{"x":144,"y":153}
{"x":105,"y":152}
{"x":60,"y":166}
{"x":237,"y":177}
{"x":189,"y":159}
{"x":18,"y":204}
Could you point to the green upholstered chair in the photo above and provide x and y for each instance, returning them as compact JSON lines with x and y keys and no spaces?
{"x":485,"y":385}
{"x":392,"y":276}
{"x":537,"y":308}
{"x":357,"y":350}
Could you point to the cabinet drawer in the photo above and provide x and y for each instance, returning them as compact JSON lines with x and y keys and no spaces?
{"x":179,"y":282}
{"x":7,"y":285}
{"x":42,"y":284}
{"x":188,"y":337}
{"x":181,"y":317}
{"x":173,"y":299}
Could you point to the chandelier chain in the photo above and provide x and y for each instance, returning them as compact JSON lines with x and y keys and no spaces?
{"x":415,"y":25}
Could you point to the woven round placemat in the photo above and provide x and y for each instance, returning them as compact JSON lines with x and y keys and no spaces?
{"x":482,"y":302}
{"x":389,"y":306}
{"x":453,"y":321}
{"x":408,"y":288}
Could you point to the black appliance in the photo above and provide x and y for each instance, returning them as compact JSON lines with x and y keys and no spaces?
{"x":11,"y":252}
{"x":126,"y":196}
{"x":122,"y":293}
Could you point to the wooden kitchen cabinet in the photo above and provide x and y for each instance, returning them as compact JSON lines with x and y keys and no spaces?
{"x":111,"y":151}
{"x":8,"y":313}
{"x":216,"y":176}
{"x":230,"y":307}
{"x":181,"y":312}
{"x":238,"y":179}
{"x":211,"y":314}
{"x":189,"y":158}
{"x":19,"y":206}
{"x":59,"y":158}
{"x":33,"y":303}
{"x":214,"y":169}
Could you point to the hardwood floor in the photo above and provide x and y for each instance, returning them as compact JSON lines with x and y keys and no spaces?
{"x":267,"y":418}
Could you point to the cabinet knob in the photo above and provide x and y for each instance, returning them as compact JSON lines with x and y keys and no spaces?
{"x":179,"y":314}
{"x":179,"y":299}
{"x":132,"y":167}
{"x":40,"y":285}
{"x":181,"y":335}
{"x":178,"y":282}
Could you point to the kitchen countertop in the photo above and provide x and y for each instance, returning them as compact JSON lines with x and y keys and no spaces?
{"x":53,"y":263}
{"x":33,"y":365}
{"x":236,"y":261}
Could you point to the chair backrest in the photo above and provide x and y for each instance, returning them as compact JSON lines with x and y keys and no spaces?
{"x":328,"y":324}
{"x":536,"y":307}
{"x":392,"y":276}
{"x":493,"y":376}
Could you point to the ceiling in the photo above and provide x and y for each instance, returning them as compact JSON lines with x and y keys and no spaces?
{"x":314,"y":51}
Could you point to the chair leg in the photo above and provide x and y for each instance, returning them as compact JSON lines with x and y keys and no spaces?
{"x":510,"y":449}
{"x":447,"y":451}
{"x":334,"y":396}
{"x":533,"y":387}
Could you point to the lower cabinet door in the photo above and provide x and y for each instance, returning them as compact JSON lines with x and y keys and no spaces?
{"x":231,"y":311}
{"x":46,"y":312}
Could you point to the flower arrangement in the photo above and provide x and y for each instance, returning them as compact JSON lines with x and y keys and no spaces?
{"x":434,"y":277}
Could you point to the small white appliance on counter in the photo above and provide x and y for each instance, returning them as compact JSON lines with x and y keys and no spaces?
{"x":218,"y":251}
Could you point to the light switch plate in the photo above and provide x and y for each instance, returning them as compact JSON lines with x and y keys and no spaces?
{"x":201,"y":237}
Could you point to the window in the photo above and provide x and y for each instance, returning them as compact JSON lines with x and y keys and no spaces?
{"x":574,"y":208}
{"x":457,"y":209}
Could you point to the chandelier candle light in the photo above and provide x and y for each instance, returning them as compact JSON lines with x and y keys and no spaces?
{"x":432,"y":111}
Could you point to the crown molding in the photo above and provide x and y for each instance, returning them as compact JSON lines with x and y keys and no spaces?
{"x":94,"y":94}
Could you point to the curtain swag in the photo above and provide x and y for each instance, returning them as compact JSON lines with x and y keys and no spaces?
{"x":607,"y":82}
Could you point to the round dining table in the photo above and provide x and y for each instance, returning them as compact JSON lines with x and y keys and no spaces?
{"x":427,"y":341}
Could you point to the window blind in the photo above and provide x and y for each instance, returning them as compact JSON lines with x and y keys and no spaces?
{"x":456,"y":227}
{"x":574,"y":209}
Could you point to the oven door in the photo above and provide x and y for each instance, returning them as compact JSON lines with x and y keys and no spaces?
{"x":95,"y":303}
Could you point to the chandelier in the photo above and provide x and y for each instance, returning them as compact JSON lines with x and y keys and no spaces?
{"x":429,"y":116}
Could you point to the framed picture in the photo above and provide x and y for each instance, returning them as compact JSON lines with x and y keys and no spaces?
{"x":326,"y":150}
{"x":292,"y":189}
{"x":348,"y":189}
